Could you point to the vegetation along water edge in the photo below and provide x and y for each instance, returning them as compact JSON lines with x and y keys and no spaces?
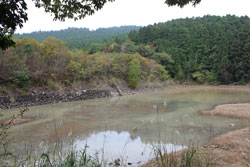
{"x":230,"y":149}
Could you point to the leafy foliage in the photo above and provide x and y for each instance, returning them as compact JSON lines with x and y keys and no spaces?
{"x":75,"y":71}
{"x":13,"y":14}
{"x":71,"y":9}
{"x":21,"y":76}
{"x":52,"y":64}
{"x":182,"y":3}
{"x":133,"y":73}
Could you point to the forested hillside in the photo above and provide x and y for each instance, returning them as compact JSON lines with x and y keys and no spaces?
{"x":51,"y":64}
{"x":208,"y":49}
{"x":81,"y":38}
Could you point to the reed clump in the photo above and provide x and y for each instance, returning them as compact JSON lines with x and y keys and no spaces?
{"x":193,"y":156}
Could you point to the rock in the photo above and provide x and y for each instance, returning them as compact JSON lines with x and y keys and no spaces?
{"x":50,"y":97}
{"x":232,"y":125}
{"x":117,"y":162}
{"x":205,"y":146}
{"x":225,"y":148}
{"x":214,"y":146}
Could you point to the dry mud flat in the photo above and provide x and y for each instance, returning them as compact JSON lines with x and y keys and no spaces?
{"x":241,"y":110}
{"x":231,"y":149}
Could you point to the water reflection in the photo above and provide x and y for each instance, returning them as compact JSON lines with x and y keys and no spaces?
{"x":131,"y":121}
{"x":113,"y":145}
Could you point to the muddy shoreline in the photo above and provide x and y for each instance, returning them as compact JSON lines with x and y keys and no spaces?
{"x":34,"y":99}
{"x":232,"y":148}
{"x":40,"y":97}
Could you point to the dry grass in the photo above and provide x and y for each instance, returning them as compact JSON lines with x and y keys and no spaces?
{"x":241,"y":110}
{"x":233,"y":148}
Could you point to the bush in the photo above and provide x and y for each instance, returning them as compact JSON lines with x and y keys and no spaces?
{"x":199,"y":77}
{"x":21,"y":77}
{"x":180,"y":75}
{"x":163,"y":74}
{"x":53,"y":85}
{"x":134,"y":71}
{"x":204,"y":77}
{"x":96,"y":47}
{"x":75,"y":71}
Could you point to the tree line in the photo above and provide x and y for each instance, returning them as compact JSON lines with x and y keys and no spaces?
{"x":82,"y":38}
{"x":209,"y":49}
{"x":13,"y":13}
{"x":51,"y":63}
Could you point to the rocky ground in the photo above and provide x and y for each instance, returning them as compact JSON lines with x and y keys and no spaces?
{"x":39,"y":98}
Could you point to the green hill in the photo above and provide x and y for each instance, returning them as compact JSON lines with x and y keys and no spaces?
{"x":206,"y":49}
{"x":81,"y":38}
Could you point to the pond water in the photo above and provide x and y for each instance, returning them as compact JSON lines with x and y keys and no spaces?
{"x":129,"y":126}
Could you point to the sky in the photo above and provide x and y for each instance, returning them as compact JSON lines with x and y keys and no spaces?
{"x":134,"y":12}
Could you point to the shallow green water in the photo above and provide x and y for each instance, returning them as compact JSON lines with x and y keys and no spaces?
{"x":126,"y":126}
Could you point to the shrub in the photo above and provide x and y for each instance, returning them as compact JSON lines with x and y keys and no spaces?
{"x":75,"y":71}
{"x":134,"y":71}
{"x":21,"y":77}
{"x":53,"y":85}
{"x":180,"y":75}
{"x":163,"y":74}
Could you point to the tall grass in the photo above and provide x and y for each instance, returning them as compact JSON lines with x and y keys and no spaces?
{"x":193,"y":156}
{"x":72,"y":159}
